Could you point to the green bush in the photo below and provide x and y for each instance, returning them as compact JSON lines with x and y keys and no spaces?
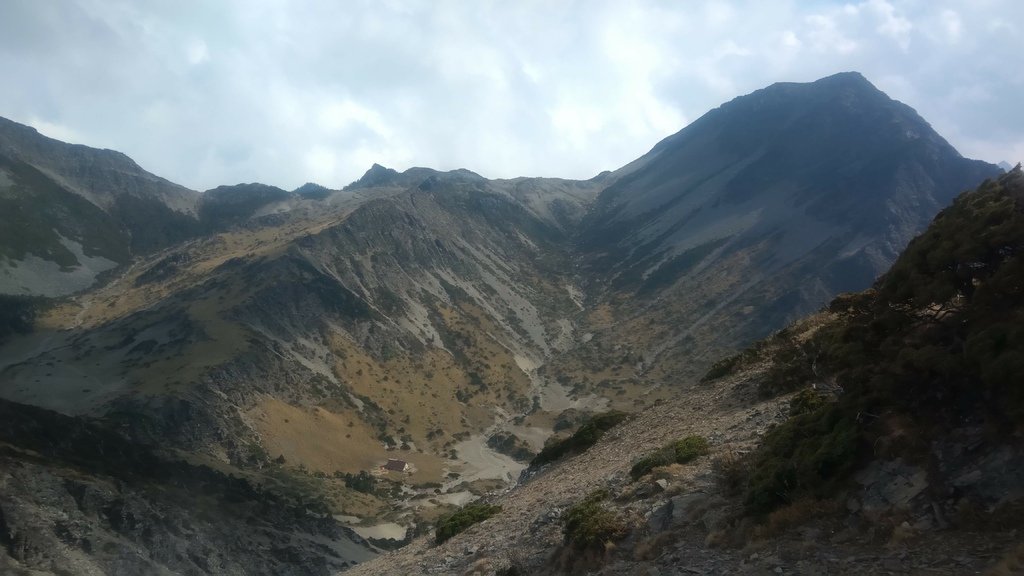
{"x":589,"y":525}
{"x":806,"y":401}
{"x":678,"y":452}
{"x":586,"y":436}
{"x":362,"y":482}
{"x":809,"y":454}
{"x":463,"y":518}
{"x":790,"y":368}
{"x":938,"y":340}
{"x":722,"y":368}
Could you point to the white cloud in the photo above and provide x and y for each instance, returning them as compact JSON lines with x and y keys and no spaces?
{"x":196,"y":52}
{"x":952,"y":25}
{"x":283,"y":92}
{"x":53,"y":130}
{"x":826,"y":36}
{"x":891,"y":24}
{"x":790,"y":40}
{"x":338,"y":115}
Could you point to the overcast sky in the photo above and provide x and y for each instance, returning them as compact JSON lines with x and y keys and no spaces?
{"x":209,"y":92}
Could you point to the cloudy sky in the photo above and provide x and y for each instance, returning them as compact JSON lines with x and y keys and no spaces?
{"x":207,"y":92}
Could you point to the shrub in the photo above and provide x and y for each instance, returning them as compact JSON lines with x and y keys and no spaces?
{"x":510,"y":445}
{"x":805,"y":402}
{"x":362,"y":482}
{"x":586,"y":436}
{"x":678,"y":452}
{"x":806,"y":455}
{"x":722,"y":368}
{"x":791,"y":367}
{"x":589,"y":525}
{"x":732,"y":472}
{"x":463,"y":518}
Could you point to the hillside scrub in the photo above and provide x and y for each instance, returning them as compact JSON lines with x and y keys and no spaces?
{"x":938,"y":341}
{"x":586,"y":436}
{"x":678,"y":452}
{"x":807,"y":454}
{"x":463,"y":518}
{"x":589,"y":525}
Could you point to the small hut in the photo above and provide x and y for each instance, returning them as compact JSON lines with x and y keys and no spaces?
{"x":396,"y":465}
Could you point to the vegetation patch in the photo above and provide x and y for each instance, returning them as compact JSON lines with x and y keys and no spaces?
{"x":586,"y":436}
{"x":510,"y":445}
{"x":809,"y":454}
{"x":362,"y":482}
{"x":463,"y":518}
{"x":722,"y":368}
{"x":590,"y":525}
{"x":938,"y":341}
{"x":678,"y":452}
{"x":806,"y":401}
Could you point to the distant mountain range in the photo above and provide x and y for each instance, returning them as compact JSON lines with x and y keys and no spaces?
{"x":315,"y":333}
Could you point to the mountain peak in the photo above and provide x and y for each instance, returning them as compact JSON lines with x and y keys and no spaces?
{"x":312,"y":190}
{"x":377,"y":175}
{"x":851,"y":77}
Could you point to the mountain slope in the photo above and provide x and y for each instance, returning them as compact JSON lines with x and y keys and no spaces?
{"x":894,"y":446}
{"x":69,"y":212}
{"x":763,"y":209}
{"x":78,"y":498}
{"x":410,"y":316}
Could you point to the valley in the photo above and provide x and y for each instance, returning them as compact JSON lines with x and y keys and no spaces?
{"x":299,"y":341}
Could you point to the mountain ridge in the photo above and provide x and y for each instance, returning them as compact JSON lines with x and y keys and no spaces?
{"x":418,"y":315}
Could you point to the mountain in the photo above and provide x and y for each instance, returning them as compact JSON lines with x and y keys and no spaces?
{"x":878,"y":435}
{"x":390,"y":322}
{"x":395,"y":316}
{"x":761,"y":210}
{"x":454,"y":322}
{"x":227,"y":205}
{"x":69,"y":212}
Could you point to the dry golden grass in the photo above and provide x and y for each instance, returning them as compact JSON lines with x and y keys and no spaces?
{"x":318,"y":439}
